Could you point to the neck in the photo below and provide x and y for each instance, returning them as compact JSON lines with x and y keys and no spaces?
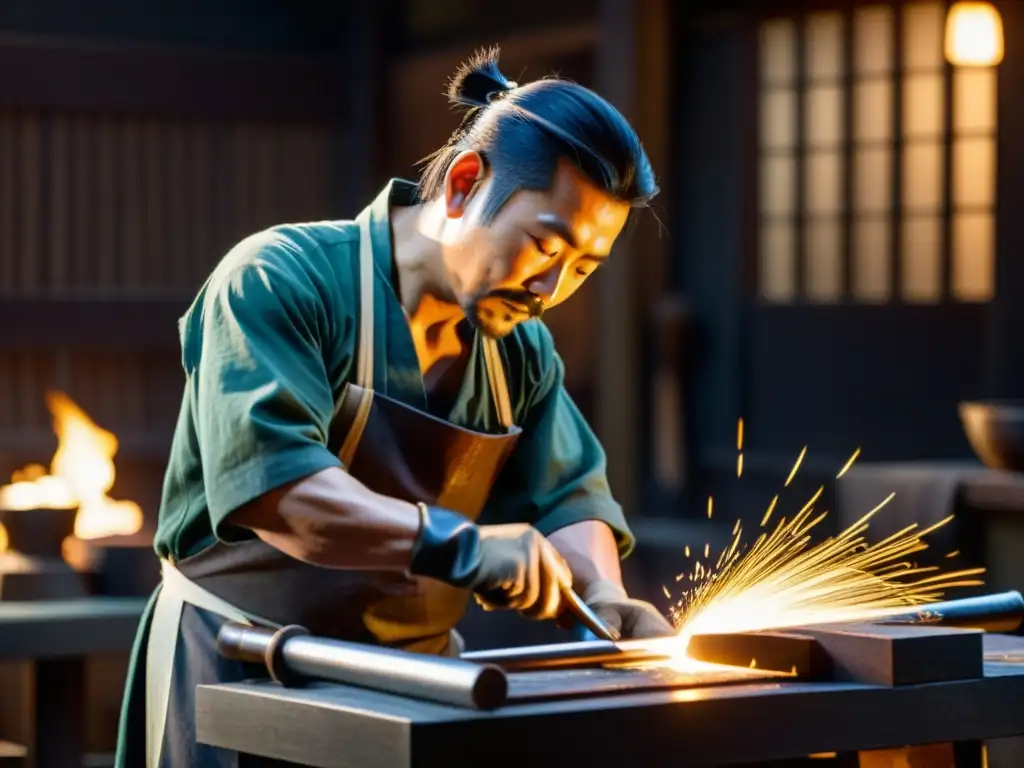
{"x":426,"y":297}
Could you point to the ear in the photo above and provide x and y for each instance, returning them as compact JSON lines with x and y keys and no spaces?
{"x":464,"y":175}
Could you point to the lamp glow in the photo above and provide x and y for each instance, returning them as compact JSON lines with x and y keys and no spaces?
{"x":974,"y":35}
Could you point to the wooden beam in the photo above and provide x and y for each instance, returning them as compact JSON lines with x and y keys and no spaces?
{"x":116,"y":323}
{"x":793,"y":653}
{"x":181,"y":82}
{"x":874,"y":654}
{"x":896,"y":655}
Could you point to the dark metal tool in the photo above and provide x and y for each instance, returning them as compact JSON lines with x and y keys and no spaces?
{"x":292,"y":657}
{"x":586,"y":616}
{"x":1001,"y":612}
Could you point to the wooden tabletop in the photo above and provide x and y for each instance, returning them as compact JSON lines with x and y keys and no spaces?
{"x":339,"y":726}
{"x":58,"y":628}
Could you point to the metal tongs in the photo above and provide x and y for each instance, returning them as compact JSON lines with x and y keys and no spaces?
{"x":574,"y":603}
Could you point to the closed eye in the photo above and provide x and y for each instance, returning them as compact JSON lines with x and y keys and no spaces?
{"x":540,"y":246}
{"x":588,"y":265}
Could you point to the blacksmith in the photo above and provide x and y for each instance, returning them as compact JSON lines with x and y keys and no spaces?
{"x":374,"y":425}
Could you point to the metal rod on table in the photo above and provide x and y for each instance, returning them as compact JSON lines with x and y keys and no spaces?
{"x":590,"y":653}
{"x":1001,"y":612}
{"x":293,"y":656}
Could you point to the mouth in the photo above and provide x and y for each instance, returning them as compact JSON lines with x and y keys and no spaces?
{"x":520,"y":302}
{"x":497,"y":312}
{"x":518,"y":307}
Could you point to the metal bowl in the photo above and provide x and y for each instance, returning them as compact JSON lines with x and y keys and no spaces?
{"x":995,"y":430}
{"x":38,"y":532}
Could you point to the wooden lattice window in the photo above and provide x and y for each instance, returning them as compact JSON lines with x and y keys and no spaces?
{"x":877,"y":161}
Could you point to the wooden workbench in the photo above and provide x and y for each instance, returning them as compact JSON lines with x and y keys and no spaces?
{"x":57,"y":637}
{"x":333,"y":726}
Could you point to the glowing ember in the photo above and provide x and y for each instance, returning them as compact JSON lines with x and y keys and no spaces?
{"x":81,"y":474}
{"x":784,"y":581}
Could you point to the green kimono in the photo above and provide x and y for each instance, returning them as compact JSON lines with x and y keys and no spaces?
{"x":267,"y":348}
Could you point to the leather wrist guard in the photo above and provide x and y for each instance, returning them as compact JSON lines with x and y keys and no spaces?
{"x":447,"y":547}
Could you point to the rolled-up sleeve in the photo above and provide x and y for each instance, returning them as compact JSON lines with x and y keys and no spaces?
{"x":263,"y":398}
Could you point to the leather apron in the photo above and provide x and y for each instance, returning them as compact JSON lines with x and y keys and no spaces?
{"x":394,"y":450}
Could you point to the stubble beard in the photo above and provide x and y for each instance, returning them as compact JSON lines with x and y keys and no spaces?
{"x":496,"y":313}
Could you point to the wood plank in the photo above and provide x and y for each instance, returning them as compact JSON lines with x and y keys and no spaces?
{"x":58,"y":74}
{"x":898,"y":655}
{"x":877,"y":654}
{"x":793,"y":653}
{"x":123,"y":323}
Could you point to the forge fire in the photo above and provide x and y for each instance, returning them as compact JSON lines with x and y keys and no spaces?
{"x":81,"y":475}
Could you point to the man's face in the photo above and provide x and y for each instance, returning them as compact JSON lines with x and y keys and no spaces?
{"x":534,"y":254}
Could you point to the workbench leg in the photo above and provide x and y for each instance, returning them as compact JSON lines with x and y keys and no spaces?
{"x":969,"y":754}
{"x":961,"y":754}
{"x":58,"y":717}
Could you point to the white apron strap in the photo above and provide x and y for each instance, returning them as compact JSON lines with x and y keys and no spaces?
{"x":175,"y":591}
{"x":364,"y":352}
{"x":364,"y":361}
{"x":498,"y":383}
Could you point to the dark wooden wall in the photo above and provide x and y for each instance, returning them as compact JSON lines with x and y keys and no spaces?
{"x":834,"y":377}
{"x":126,"y":172}
{"x":138,"y":142}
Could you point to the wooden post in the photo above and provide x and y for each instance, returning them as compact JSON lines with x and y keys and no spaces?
{"x":617,"y":360}
{"x":631,"y":71}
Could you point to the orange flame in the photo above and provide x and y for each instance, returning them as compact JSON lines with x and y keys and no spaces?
{"x":81,"y":474}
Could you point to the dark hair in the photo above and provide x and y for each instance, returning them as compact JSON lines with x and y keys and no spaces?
{"x":523,"y":130}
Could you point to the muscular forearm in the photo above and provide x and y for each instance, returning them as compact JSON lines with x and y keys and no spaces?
{"x":590,"y":550}
{"x":332,"y":520}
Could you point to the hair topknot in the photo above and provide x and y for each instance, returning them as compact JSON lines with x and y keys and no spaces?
{"x":477,"y":80}
{"x":523,"y":132}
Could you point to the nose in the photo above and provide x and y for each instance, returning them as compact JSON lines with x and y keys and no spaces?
{"x":545,"y":285}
